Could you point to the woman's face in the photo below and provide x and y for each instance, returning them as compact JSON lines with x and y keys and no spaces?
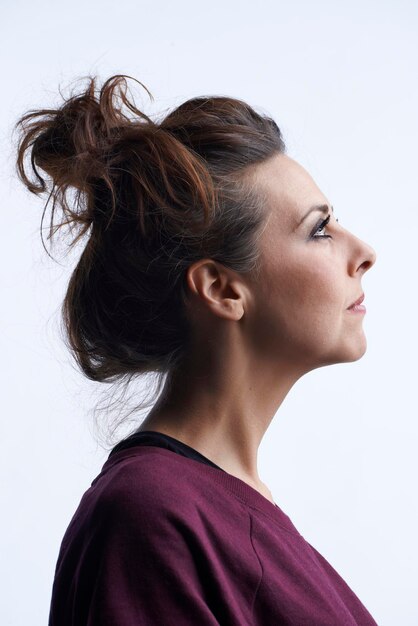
{"x":310,"y":273}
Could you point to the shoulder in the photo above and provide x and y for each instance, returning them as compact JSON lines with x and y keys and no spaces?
{"x":148,"y":485}
{"x":160,"y":507}
{"x":162,"y":491}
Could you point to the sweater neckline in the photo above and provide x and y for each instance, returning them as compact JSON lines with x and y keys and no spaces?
{"x":242,"y":490}
{"x":161,"y":440}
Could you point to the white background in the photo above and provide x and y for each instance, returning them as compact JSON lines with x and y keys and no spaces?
{"x":340,"y":456}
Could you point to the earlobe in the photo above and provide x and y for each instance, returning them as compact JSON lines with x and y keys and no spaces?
{"x":240,"y":312}
{"x":235,"y":308}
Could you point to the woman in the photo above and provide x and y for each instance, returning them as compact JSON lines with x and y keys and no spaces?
{"x":214,"y":260}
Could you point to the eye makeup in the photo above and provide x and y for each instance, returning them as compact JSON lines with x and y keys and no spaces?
{"x":319,"y":227}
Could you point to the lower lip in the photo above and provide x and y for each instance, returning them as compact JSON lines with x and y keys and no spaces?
{"x":358,"y":308}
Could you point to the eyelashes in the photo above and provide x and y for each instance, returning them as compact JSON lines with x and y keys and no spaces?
{"x":320,"y":227}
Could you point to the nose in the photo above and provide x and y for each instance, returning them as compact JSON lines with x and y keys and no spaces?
{"x":363,"y":256}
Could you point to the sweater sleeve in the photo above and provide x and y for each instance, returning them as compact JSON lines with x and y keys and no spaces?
{"x":147,"y":568}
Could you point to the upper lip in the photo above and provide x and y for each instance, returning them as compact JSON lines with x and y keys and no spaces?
{"x":359,"y":301}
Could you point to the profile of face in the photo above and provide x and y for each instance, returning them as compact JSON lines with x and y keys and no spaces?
{"x":311,"y":272}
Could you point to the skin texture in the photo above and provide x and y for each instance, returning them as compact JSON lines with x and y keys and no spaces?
{"x":253,"y":339}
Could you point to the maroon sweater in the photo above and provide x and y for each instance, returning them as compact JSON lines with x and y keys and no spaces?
{"x":165,"y":537}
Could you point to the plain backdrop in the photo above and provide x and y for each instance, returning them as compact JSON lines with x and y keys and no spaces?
{"x":340,"y":457}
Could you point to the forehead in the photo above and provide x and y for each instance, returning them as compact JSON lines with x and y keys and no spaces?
{"x":290,"y":189}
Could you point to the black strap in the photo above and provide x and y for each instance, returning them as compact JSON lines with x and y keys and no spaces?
{"x":154,"y":438}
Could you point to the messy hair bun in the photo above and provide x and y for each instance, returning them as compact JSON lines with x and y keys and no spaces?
{"x":156,"y":198}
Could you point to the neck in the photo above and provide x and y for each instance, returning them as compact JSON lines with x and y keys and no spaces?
{"x":222,"y":409}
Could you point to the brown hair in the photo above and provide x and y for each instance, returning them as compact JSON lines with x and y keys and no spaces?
{"x":156,"y":196}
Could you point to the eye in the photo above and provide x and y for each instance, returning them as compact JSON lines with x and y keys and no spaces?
{"x":320,"y":227}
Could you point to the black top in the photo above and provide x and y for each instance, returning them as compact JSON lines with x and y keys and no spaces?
{"x":154,"y":438}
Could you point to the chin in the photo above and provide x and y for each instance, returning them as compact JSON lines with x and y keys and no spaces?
{"x":354,"y":351}
{"x":344,"y":354}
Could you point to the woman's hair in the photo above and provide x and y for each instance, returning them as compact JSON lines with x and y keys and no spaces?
{"x":156,"y":197}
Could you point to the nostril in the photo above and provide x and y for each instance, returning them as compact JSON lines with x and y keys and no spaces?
{"x":366,"y":265}
{"x":370,"y":259}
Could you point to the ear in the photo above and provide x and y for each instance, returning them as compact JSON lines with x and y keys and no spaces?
{"x":216,"y":289}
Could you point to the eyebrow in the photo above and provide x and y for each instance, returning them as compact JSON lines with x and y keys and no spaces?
{"x":324,"y":208}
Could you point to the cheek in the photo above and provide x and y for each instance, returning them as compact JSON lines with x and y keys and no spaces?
{"x":308,"y":289}
{"x":304,"y":304}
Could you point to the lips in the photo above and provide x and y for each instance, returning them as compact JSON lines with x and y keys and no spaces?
{"x":359,"y":301}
